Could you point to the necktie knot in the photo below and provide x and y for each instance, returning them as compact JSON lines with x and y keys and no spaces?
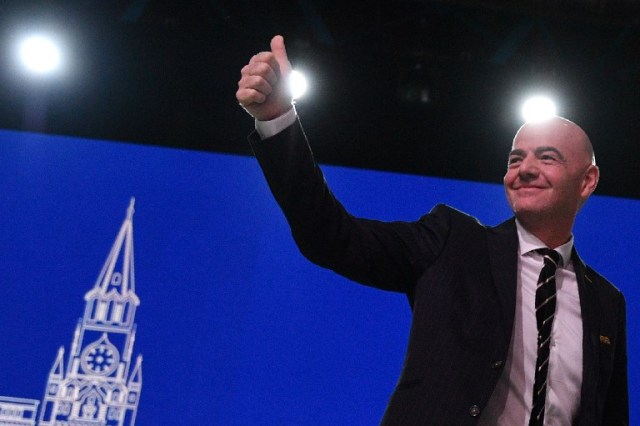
{"x":550,"y":256}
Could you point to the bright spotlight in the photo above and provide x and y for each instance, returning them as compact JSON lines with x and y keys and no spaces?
{"x":538,"y":108}
{"x":297,"y":84}
{"x":40,"y":54}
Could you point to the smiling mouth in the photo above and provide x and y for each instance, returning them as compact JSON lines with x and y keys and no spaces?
{"x":529,"y":190}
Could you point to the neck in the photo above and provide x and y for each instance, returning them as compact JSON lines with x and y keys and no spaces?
{"x":553,"y":233}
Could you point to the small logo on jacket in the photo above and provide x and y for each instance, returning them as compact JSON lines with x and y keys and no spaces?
{"x":605,"y":340}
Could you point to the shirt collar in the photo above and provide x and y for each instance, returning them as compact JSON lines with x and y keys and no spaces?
{"x":528,"y":242}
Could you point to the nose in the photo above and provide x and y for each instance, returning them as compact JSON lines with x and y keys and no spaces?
{"x":528,"y":168}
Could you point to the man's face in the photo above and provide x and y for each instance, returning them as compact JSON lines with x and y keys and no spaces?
{"x":549,"y":172}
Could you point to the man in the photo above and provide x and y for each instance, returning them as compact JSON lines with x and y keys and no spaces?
{"x":505,"y":331}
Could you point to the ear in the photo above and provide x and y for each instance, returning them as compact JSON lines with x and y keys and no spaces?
{"x":590,"y":181}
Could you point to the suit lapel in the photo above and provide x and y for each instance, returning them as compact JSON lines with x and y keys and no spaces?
{"x":503,"y":252}
{"x":590,"y":338}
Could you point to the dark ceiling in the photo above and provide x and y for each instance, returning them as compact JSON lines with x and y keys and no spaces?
{"x":423,"y":87}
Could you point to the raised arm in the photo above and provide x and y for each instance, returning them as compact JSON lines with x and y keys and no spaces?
{"x":385,"y":255}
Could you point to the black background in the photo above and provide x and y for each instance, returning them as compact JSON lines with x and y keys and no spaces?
{"x":165,"y":73}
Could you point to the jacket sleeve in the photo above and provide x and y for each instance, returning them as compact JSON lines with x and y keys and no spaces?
{"x":616,"y":406}
{"x":387,"y":255}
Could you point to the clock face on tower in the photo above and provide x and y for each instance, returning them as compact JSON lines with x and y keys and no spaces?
{"x":100,"y":358}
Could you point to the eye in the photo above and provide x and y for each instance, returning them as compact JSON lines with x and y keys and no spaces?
{"x":548,"y":158}
{"x":514,"y":160}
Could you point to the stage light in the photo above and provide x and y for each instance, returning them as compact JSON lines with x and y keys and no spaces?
{"x":538,"y":108}
{"x":297,"y":84}
{"x":40,"y":54}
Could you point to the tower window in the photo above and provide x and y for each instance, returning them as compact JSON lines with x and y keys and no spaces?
{"x":116,"y":279}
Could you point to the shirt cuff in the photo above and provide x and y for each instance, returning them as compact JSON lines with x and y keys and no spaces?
{"x":266,"y":129}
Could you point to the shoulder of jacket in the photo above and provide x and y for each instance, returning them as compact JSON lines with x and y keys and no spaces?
{"x":455,"y":214}
{"x":592,"y":277}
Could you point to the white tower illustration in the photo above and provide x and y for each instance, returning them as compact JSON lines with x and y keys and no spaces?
{"x":101,"y":383}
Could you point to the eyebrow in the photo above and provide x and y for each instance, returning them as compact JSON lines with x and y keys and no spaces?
{"x":539,"y":150}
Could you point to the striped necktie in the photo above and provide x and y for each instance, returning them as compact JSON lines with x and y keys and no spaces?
{"x":545,"y":311}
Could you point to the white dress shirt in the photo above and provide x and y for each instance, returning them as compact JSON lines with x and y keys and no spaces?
{"x":512,"y":399}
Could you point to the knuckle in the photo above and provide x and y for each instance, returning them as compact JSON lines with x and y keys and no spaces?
{"x":260,"y":67}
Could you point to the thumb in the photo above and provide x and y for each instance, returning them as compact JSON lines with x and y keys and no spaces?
{"x":280,"y":53}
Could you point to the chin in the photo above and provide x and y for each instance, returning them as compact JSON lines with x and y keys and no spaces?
{"x":529,"y":210}
{"x":530,"y":203}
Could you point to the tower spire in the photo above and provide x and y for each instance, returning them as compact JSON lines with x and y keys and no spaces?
{"x":113,"y":299}
{"x":117,"y":274}
{"x":131,"y":210}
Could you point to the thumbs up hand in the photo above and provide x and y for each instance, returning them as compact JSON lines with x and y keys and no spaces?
{"x":263,"y":89}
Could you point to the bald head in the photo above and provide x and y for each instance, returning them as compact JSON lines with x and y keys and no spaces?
{"x":550,"y":174}
{"x":559,"y":128}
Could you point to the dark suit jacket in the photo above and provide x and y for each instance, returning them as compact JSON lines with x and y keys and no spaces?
{"x":460,"y":279}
